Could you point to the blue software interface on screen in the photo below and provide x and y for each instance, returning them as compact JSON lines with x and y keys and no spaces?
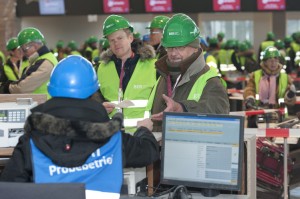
{"x":202,"y":149}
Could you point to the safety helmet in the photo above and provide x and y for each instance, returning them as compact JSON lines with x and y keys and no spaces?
{"x":270,"y":36}
{"x":73,"y":77}
{"x":288,"y":39}
{"x":60,"y":44}
{"x":136,"y":35}
{"x":213,"y":41}
{"x":231,"y":44}
{"x":180,"y":30}
{"x":114,"y":23}
{"x":92,"y":39}
{"x":203,"y":41}
{"x":279,"y":44}
{"x":248,"y":43}
{"x":146,"y":37}
{"x":271,"y":52}
{"x":72,"y":44}
{"x":221,"y":34}
{"x":158,"y":22}
{"x":28,"y":35}
{"x":243,"y":47}
{"x":12,"y":44}
{"x":104,"y":43}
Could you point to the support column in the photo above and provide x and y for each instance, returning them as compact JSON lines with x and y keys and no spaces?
{"x":279,"y":24}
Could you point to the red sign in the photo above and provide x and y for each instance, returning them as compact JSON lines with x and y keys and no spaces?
{"x":271,"y":4}
{"x":116,"y":6}
{"x":158,"y":5}
{"x":227,"y":5}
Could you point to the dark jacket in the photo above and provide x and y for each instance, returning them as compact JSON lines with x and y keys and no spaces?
{"x":84,"y":126}
{"x":214,"y":98}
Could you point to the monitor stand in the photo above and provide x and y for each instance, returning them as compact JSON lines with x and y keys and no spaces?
{"x":210,"y":192}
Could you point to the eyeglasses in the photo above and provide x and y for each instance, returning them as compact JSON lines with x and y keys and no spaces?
{"x":155,"y":32}
{"x":177,"y":49}
{"x":26,"y":48}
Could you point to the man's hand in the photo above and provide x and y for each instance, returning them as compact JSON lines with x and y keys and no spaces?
{"x":145,"y":123}
{"x":172,"y":106}
{"x":109,"y":106}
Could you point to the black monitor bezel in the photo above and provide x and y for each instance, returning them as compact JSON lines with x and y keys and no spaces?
{"x":205,"y":185}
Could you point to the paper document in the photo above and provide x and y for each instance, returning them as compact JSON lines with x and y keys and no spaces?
{"x":124,"y":104}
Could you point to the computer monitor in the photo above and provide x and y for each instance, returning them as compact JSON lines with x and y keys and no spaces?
{"x":202,"y":151}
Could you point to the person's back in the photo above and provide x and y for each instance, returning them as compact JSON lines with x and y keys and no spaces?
{"x":70,"y":138}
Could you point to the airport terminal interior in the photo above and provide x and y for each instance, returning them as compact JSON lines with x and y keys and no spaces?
{"x":251,"y":152}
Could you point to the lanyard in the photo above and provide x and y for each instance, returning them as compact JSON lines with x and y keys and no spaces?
{"x":169,"y":85}
{"x":122,"y":73}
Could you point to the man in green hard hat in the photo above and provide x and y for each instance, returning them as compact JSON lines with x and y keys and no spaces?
{"x":41,"y":62}
{"x":156,"y":29}
{"x":125,"y":74}
{"x":186,"y":83}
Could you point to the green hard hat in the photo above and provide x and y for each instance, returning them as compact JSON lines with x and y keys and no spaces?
{"x":248,"y":43}
{"x":73,"y":45}
{"x":271,"y":52}
{"x":279,"y":44}
{"x":180,"y":30}
{"x":288,"y":39}
{"x":12,"y":44}
{"x":158,"y":22}
{"x":230,"y":44}
{"x":243,"y":47}
{"x":114,"y":23}
{"x":92,"y":39}
{"x":60,"y":44}
{"x":137,"y":35}
{"x":270,"y":36}
{"x":213,"y":41}
{"x":29,"y":35}
{"x":221,"y":34}
{"x":104,"y":43}
{"x":296,"y":35}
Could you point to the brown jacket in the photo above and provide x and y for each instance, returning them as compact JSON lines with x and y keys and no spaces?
{"x":214,"y":98}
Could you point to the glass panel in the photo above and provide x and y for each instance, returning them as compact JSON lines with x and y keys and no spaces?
{"x":240,"y":30}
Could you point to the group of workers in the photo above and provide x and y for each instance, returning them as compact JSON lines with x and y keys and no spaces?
{"x":78,"y":135}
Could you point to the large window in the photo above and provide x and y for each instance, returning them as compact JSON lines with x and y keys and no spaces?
{"x":240,"y":30}
{"x":292,"y":26}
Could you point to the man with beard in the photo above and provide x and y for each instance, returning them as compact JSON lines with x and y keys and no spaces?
{"x":186,"y":84}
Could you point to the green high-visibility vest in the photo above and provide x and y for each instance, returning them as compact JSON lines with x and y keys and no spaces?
{"x":43,"y":88}
{"x":138,"y":89}
{"x":11,"y":74}
{"x":266,"y":44}
{"x":283,"y":82}
{"x":195,"y":92}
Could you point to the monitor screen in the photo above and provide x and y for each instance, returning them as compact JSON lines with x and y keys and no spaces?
{"x":52,"y":7}
{"x":202,"y":151}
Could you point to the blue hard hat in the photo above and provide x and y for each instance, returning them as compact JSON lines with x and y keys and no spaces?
{"x":203,"y":41}
{"x":73,"y":77}
{"x":146,"y":37}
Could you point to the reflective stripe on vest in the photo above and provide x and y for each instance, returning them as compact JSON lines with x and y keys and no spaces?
{"x":138,"y":89}
{"x":283,"y":82}
{"x":136,"y":103}
{"x":102,"y":172}
{"x":194,"y":94}
{"x":43,"y":88}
